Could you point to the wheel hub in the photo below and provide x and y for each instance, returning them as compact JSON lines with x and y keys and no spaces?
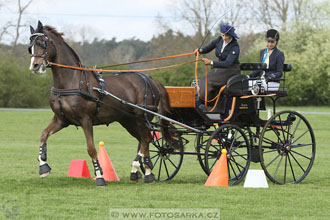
{"x":287,"y":148}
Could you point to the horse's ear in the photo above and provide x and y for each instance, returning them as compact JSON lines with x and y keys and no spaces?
{"x":40,"y":27}
{"x":32,"y":30}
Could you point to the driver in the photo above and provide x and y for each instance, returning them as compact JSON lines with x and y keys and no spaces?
{"x":227,"y":50}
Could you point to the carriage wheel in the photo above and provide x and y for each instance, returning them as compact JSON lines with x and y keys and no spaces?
{"x":201,"y":143}
{"x":166,"y":160}
{"x":287,"y":147}
{"x":233,"y":139}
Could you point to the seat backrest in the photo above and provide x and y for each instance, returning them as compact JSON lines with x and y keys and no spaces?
{"x":253,"y":66}
{"x":287,"y":67}
{"x":262,"y":66}
{"x":237,"y":84}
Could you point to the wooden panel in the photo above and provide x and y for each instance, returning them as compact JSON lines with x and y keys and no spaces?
{"x":181,"y":97}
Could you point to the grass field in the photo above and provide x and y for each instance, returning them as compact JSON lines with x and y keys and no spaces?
{"x":61,"y":197}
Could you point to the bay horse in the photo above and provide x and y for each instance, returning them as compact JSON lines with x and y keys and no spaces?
{"x":74,"y":102}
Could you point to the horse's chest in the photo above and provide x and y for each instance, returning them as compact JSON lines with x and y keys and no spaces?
{"x":68,"y":108}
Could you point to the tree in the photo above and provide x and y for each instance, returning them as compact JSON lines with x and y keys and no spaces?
{"x":202,"y":15}
{"x":21,"y":10}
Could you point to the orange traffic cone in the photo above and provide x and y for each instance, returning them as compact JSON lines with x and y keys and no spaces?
{"x":156,"y":136}
{"x":109,"y":173}
{"x":219,"y":175}
{"x":78,"y":168}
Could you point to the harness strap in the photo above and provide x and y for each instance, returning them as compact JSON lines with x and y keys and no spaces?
{"x":80,"y":91}
{"x":101,"y":95}
{"x":147,"y":85}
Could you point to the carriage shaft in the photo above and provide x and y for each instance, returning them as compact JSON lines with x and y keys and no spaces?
{"x":147,"y":110}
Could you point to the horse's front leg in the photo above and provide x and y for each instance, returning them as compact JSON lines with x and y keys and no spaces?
{"x":148,"y":166}
{"x":135,"y":174}
{"x":54,"y":126}
{"x":88,"y":130}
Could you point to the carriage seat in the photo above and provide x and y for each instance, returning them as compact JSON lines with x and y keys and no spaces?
{"x":239,"y":85}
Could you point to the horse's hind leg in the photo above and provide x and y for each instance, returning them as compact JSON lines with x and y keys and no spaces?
{"x":88,"y":130}
{"x":141,"y":132}
{"x":54,"y":126}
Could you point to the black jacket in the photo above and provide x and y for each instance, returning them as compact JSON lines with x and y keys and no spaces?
{"x":276,"y":61}
{"x":228,"y":57}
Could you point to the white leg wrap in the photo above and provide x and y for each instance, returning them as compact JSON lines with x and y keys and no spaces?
{"x":98,"y":174}
{"x":140,"y":154}
{"x":39,"y":157}
{"x":135,"y":166}
{"x":41,"y":161}
{"x":148,"y":171}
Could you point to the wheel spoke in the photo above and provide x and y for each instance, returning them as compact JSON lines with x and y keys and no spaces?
{"x":300,"y":136}
{"x":278,"y":165}
{"x":154,"y":156}
{"x":286,"y":163}
{"x":229,"y":173}
{"x":233,"y":140}
{"x":269,"y":151}
{"x":270,"y":141}
{"x":236,"y":177}
{"x":166,"y":169}
{"x":156,"y":160}
{"x":294,"y":132}
{"x":217,"y":149}
{"x":213,"y":164}
{"x":172,"y":163}
{"x":276,"y":132}
{"x":282,"y":127}
{"x":294,"y":176}
{"x":301,"y":155}
{"x":298,"y":163}
{"x":239,"y":155}
{"x":160,"y":168}
{"x":236,"y":163}
{"x":272,"y":161}
{"x":300,"y":145}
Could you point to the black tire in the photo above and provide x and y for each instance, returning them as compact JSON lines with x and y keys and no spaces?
{"x":201,"y":143}
{"x":287,"y":147}
{"x":233,"y":139}
{"x":166,"y":160}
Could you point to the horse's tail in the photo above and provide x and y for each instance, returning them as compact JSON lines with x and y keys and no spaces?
{"x":169,"y":132}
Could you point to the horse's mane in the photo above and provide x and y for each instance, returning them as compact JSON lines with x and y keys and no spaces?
{"x":60,"y":39}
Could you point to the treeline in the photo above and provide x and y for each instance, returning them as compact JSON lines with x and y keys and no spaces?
{"x":304,"y":47}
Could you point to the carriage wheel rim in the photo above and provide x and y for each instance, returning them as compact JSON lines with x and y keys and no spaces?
{"x":236,"y":170}
{"x":290,"y":154}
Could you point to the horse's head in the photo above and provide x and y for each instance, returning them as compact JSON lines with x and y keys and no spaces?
{"x":39,"y":49}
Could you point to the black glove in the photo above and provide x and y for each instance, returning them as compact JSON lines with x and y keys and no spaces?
{"x":270,"y":77}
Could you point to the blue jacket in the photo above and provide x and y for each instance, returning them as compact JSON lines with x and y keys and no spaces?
{"x":276,"y":61}
{"x":229,"y":55}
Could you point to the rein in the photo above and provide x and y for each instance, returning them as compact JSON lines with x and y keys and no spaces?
{"x":58,"y":92}
{"x":216,"y":99}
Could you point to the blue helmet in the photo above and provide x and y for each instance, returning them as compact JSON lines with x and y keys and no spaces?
{"x":228,"y":29}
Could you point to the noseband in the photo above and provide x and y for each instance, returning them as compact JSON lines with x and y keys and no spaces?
{"x":43,"y":44}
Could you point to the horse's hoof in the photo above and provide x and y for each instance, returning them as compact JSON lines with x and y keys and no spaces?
{"x":44,"y":170}
{"x":100,"y":182}
{"x":44,"y":175}
{"x":135,"y":177}
{"x":149,"y":178}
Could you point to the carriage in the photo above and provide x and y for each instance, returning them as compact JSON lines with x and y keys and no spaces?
{"x":284,"y":144}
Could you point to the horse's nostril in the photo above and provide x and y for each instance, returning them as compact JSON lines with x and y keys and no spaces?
{"x":35,"y":66}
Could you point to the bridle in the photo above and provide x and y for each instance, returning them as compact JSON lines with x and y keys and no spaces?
{"x":43,"y":44}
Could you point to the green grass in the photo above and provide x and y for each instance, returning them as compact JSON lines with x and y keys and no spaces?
{"x":61,"y":197}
